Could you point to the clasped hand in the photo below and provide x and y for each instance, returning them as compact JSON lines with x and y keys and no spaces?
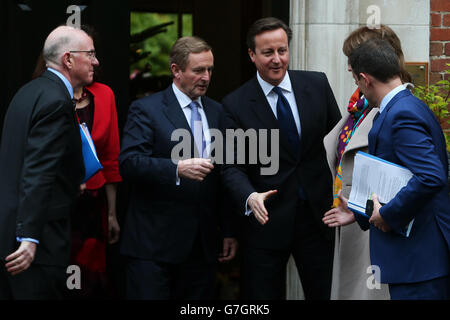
{"x":376,"y":219}
{"x":195,"y":168}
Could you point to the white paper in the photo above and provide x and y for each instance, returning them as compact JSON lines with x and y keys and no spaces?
{"x":373,"y":175}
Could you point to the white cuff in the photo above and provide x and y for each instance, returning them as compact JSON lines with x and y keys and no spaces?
{"x":177,"y":182}
{"x":247,"y":209}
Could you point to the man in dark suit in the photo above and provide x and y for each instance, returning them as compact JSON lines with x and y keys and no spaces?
{"x":406,"y":133}
{"x":284,"y":209}
{"x":41,"y":169}
{"x":171,"y":229}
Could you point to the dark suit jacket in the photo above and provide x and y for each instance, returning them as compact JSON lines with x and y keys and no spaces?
{"x":407,"y":133}
{"x":247,"y":108}
{"x":163,"y":218}
{"x":41,"y":168}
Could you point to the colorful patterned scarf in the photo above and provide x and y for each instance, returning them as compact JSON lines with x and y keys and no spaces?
{"x":358,"y":108}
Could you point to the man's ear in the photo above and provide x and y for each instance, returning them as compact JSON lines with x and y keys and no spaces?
{"x":251,"y":54}
{"x":66,"y":60}
{"x":175,"y":70}
{"x":368,"y":80}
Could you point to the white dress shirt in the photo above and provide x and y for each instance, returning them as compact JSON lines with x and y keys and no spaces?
{"x":184,"y":102}
{"x":272,"y":98}
{"x":387,"y":98}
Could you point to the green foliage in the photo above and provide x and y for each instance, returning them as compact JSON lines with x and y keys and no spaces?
{"x":436,"y":96}
{"x":158,"y":46}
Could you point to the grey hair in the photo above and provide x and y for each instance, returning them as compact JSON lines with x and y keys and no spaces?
{"x":52,"y":51}
{"x":60,"y":40}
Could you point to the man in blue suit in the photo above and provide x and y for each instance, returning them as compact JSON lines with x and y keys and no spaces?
{"x":176,"y":213}
{"x":406,"y":133}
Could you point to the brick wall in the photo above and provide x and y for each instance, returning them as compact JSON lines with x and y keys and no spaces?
{"x":439,"y":39}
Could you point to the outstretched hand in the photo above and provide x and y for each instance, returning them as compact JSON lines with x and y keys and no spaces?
{"x":340,"y":216}
{"x":256,"y":203}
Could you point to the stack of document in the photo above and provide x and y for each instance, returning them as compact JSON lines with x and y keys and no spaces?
{"x":373,"y":175}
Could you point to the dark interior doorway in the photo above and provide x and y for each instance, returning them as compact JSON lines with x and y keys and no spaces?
{"x":224,"y":25}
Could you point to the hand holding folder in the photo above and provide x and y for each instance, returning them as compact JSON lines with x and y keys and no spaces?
{"x":373,"y":210}
{"x":373,"y":175}
{"x":91,"y":163}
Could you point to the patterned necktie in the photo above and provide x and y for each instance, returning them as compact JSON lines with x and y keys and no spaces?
{"x":197,"y":128}
{"x":286,"y":120}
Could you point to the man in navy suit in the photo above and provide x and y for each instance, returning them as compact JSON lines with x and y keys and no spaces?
{"x":176,"y":216}
{"x":283,"y":209}
{"x":406,"y":133}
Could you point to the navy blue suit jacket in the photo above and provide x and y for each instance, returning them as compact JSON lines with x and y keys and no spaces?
{"x":163,"y":218}
{"x":407,"y":133}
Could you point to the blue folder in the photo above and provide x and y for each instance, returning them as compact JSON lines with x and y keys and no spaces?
{"x":91,"y":163}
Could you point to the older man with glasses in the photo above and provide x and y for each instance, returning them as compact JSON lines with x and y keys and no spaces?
{"x":41,"y":166}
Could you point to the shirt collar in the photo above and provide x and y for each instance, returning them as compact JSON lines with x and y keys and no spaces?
{"x":183,"y":99}
{"x":285,"y":84}
{"x":64,"y":80}
{"x":387,"y":98}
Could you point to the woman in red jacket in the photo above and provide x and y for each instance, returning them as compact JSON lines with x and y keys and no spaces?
{"x":94,"y":221}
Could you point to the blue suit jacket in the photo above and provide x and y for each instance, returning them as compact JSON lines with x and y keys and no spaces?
{"x":163,"y":218}
{"x":407,"y":133}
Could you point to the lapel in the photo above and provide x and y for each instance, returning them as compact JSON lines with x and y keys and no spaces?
{"x":53,"y":77}
{"x":305,"y":106}
{"x":211,"y":114}
{"x":377,"y":125}
{"x":260,"y":106}
{"x":173,"y":110}
{"x":50,"y":75}
{"x":360,"y":138}
{"x":330,"y":142}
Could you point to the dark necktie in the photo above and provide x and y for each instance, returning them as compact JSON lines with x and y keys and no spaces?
{"x":286,"y":121}
{"x":197,"y":128}
{"x":287,"y":125}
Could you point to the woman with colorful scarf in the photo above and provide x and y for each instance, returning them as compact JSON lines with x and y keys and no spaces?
{"x":351,"y":266}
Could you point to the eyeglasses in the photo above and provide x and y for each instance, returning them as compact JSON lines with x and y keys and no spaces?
{"x":90,"y":53}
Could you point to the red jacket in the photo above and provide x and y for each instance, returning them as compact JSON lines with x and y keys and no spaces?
{"x":105,"y":134}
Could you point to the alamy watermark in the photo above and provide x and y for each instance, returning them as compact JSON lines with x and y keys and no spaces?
{"x":374,"y":19}
{"x":74,"y":20}
{"x":74,"y":279}
{"x":234,"y":145}
{"x":374,"y":281}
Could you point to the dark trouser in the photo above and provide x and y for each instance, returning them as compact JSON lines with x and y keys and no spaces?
{"x":194,"y":279}
{"x":264,"y":271}
{"x":435,"y":289}
{"x":38,"y":282}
